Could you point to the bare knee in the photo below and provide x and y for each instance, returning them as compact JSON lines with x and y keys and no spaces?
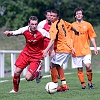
{"x":88,"y":67}
{"x":80,"y":69}
{"x":29,"y":76}
{"x":28,"y":79}
{"x":18,"y":71}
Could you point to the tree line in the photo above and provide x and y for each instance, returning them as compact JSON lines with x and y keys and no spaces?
{"x":15,"y":13}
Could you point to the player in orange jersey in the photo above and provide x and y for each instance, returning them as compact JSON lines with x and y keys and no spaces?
{"x":60,"y":39}
{"x":81,"y":47}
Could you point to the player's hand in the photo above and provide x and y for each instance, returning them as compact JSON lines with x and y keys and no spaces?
{"x":73,"y":51}
{"x":77,"y":32}
{"x":8,"y":33}
{"x":44,"y":53}
{"x":95,"y":51}
{"x":51,"y":53}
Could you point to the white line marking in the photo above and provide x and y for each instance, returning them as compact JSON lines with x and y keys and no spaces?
{"x":3,"y":81}
{"x":46,"y":76}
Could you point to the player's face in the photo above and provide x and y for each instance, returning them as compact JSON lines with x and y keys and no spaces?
{"x":54,"y":17}
{"x":79,"y":15}
{"x":33,"y":25}
{"x":48,"y":16}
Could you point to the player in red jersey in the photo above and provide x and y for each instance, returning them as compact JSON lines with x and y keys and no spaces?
{"x":46,"y":24}
{"x":32,"y":53}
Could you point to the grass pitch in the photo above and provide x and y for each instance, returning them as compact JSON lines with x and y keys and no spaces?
{"x":34,"y":91}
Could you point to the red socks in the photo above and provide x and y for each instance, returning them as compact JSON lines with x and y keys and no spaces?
{"x":16,"y":81}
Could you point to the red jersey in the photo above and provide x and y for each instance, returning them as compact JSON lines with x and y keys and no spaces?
{"x":44,"y":24}
{"x":35,"y":42}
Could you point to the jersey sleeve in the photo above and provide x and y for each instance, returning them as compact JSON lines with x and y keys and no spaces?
{"x":20,"y":31}
{"x":91,"y":31}
{"x":68,"y":25}
{"x":41,"y":24}
{"x":53,"y":31}
{"x":44,"y":32}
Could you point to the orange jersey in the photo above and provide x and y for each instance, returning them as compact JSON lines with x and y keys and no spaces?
{"x":61,"y":37}
{"x":81,"y":43}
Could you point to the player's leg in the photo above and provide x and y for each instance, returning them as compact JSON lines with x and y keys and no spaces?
{"x":34,"y":71}
{"x":21,"y":63}
{"x":77,"y":63}
{"x":58,"y":60}
{"x":16,"y":80}
{"x":89,"y":76}
{"x":87,"y":62}
{"x":64,"y":85}
{"x":54,"y":73}
{"x":64,"y":58}
{"x":80,"y":74}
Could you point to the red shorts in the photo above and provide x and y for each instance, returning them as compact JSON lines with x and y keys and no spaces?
{"x":24,"y":60}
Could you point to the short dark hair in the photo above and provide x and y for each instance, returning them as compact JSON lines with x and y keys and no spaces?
{"x":56,"y":11}
{"x":47,"y":11}
{"x":77,"y":9}
{"x":32,"y":18}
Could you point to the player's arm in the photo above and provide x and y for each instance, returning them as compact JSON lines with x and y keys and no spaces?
{"x":16,"y":32}
{"x":69,"y":25}
{"x":76,"y":32}
{"x":48,"y":47}
{"x":95,"y":47}
{"x":8,"y":33}
{"x":12,"y":33}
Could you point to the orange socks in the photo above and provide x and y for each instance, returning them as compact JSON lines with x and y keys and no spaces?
{"x":81,"y":78}
{"x":61,"y":73}
{"x":54,"y":75}
{"x":89,"y":75}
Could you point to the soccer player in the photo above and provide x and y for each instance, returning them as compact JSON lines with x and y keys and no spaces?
{"x":46,"y":24}
{"x":31,"y":54}
{"x":81,"y":47}
{"x":60,"y":38}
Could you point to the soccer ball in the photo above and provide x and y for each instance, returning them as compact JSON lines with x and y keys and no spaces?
{"x":51,"y":87}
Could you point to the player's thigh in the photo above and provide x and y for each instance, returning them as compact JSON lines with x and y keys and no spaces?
{"x":77,"y":62}
{"x":22,"y":61}
{"x":59,"y":58}
{"x":87,"y":59}
{"x":32,"y":69}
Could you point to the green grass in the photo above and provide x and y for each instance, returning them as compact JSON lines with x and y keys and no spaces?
{"x":34,"y":91}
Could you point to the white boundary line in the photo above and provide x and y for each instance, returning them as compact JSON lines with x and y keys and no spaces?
{"x":46,"y":76}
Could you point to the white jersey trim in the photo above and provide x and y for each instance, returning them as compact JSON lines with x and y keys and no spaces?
{"x":44,"y":32}
{"x":20,"y":30}
{"x":41,"y":24}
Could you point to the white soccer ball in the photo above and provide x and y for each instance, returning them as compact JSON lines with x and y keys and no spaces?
{"x":51,"y":87}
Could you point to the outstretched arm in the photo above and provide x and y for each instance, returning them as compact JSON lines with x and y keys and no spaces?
{"x":16,"y":32}
{"x":8,"y":33}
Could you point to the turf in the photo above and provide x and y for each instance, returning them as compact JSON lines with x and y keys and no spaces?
{"x":33,"y":91}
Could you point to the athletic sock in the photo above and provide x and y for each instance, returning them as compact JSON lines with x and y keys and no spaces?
{"x":54,"y":75}
{"x":63,"y":83}
{"x":81,"y":78}
{"x":61,"y":73}
{"x":16,"y":81}
{"x":89,"y":76}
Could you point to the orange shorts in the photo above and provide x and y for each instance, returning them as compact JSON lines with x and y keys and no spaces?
{"x":24,"y":60}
